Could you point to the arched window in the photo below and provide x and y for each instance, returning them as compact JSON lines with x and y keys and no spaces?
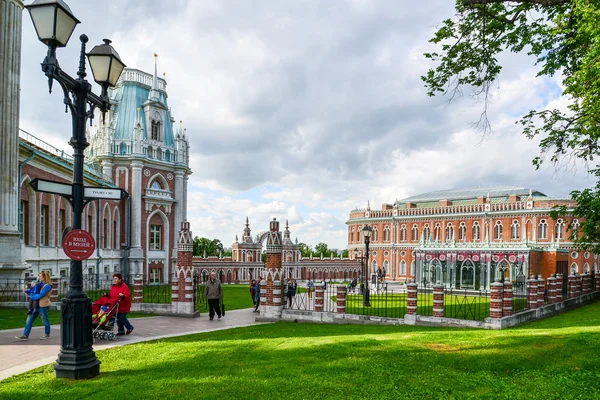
{"x":415,"y":232}
{"x":150,"y":152}
{"x":402,"y":267}
{"x":352,"y":235}
{"x":462,"y":231}
{"x":374,"y":264}
{"x":155,"y":130}
{"x":559,"y":229}
{"x":386,"y":233}
{"x":159,"y":154}
{"x":575,"y":229}
{"x":573,"y":269}
{"x":386,"y":265}
{"x":449,"y":231}
{"x":426,"y":232}
{"x":123,"y":148}
{"x":514,"y":230}
{"x":476,"y":231}
{"x":375,"y":234}
{"x":156,"y":185}
{"x":586,"y":268}
{"x":412,"y":268}
{"x":543,"y":230}
{"x":498,"y":230}
{"x":167,"y":155}
{"x":403,"y":233}
{"x":436,"y":232}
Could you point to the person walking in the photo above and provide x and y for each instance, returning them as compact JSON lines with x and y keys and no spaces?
{"x":44,"y":305}
{"x":291,"y":292}
{"x":257,"y":294}
{"x":120,"y":292}
{"x":253,"y":292}
{"x":214,"y":296}
{"x":309,"y":287}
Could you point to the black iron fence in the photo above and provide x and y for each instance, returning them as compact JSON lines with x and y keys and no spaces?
{"x":466,"y":304}
{"x":425,"y":300}
{"x":519,"y":300}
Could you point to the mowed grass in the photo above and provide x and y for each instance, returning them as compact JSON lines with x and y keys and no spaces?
{"x":235,"y":297}
{"x":556,"y":358}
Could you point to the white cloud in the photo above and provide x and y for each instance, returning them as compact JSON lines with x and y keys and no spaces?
{"x":317,"y":106}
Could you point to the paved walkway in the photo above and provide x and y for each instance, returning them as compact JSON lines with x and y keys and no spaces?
{"x":21,"y":356}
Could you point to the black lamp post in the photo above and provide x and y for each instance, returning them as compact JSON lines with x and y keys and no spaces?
{"x":367,"y":234}
{"x":54,"y":24}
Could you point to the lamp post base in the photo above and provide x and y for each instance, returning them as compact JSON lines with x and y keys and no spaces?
{"x":366,"y":298}
{"x":77,"y":359}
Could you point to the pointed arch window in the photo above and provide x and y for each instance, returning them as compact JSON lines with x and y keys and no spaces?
{"x":559,"y":228}
{"x":155,"y":237}
{"x":375,"y":234}
{"x":498,"y":230}
{"x":437,"y":231}
{"x":415,"y":232}
{"x":515,"y":230}
{"x":386,"y":234}
{"x":158,"y":154}
{"x":449,"y":231}
{"x":156,"y":185}
{"x":402,"y":267}
{"x":462,"y":231}
{"x":155,"y":135}
{"x":476,"y":231}
{"x":543,"y":230}
{"x":403,"y":233}
{"x":575,"y":229}
{"x":426,"y":232}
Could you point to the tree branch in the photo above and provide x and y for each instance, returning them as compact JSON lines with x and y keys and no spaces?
{"x":540,"y":2}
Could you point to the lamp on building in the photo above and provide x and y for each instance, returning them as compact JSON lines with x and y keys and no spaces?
{"x":367,"y":235}
{"x":54,"y":23}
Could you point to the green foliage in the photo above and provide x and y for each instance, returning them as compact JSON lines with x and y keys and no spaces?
{"x":305,"y":250}
{"x":555,"y":358}
{"x":563,"y":36}
{"x":211,"y":247}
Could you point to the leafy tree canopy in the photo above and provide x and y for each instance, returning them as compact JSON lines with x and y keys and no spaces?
{"x":213,"y":247}
{"x":563,"y":36}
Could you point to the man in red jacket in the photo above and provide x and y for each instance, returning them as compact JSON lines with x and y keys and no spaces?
{"x":120,"y":290}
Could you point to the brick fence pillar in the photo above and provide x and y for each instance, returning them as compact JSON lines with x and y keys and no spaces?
{"x":597,"y":281}
{"x":540,"y":293}
{"x":263,"y":293}
{"x":175,"y":289}
{"x":277,"y":293}
{"x":551,"y":290}
{"x":138,"y":289}
{"x":532,"y":293}
{"x":411,"y":298}
{"x":577,"y":285}
{"x":340,"y":299}
{"x":496,"y":290}
{"x":572,"y":285}
{"x":586,"y":286}
{"x":319,"y":297}
{"x":54,"y":293}
{"x":438,"y":300}
{"x":558,"y":288}
{"x":507,"y":296}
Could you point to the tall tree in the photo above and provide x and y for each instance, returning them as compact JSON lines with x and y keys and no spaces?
{"x":321,"y":249}
{"x":563,"y":36}
{"x":305,"y":250}
{"x":212,"y":246}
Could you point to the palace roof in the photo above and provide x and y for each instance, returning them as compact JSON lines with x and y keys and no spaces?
{"x":496,"y":194}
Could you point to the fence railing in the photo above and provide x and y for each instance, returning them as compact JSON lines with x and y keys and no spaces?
{"x":519,"y":300}
{"x":466,"y":304}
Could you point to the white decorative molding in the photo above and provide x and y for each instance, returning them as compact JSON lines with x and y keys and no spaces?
{"x":146,"y":172}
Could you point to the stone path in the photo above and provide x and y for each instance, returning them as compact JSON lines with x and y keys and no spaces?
{"x":18,"y":356}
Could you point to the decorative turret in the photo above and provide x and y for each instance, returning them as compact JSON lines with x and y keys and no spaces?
{"x":247,"y":237}
{"x":185,"y":241}
{"x":274,"y":237}
{"x":154,"y":95}
{"x":286,"y":234}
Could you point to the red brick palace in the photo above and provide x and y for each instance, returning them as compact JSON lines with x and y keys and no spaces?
{"x":468,"y":238}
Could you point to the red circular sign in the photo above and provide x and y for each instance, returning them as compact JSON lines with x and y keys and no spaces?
{"x":79,"y":245}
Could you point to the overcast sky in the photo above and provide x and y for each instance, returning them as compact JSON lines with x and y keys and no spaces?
{"x":305,"y":110}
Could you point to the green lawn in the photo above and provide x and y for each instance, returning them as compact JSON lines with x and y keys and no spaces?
{"x":235,"y":297}
{"x":556,"y":358}
{"x":16,"y":317}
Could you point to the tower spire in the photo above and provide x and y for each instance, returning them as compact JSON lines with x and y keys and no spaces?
{"x":154,"y":92}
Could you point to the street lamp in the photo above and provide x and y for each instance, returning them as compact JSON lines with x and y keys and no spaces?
{"x":54,"y":23}
{"x":367,"y":234}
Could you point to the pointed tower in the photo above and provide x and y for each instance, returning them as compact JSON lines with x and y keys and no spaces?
{"x":183,"y":291}
{"x":273,"y":302}
{"x":247,"y":236}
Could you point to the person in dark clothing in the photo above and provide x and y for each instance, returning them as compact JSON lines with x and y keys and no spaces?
{"x":257,"y":294}
{"x":291,"y":292}
{"x":214,"y":296}
{"x":253,"y":291}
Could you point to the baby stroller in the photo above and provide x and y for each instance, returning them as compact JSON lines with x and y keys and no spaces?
{"x":104,"y":317}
